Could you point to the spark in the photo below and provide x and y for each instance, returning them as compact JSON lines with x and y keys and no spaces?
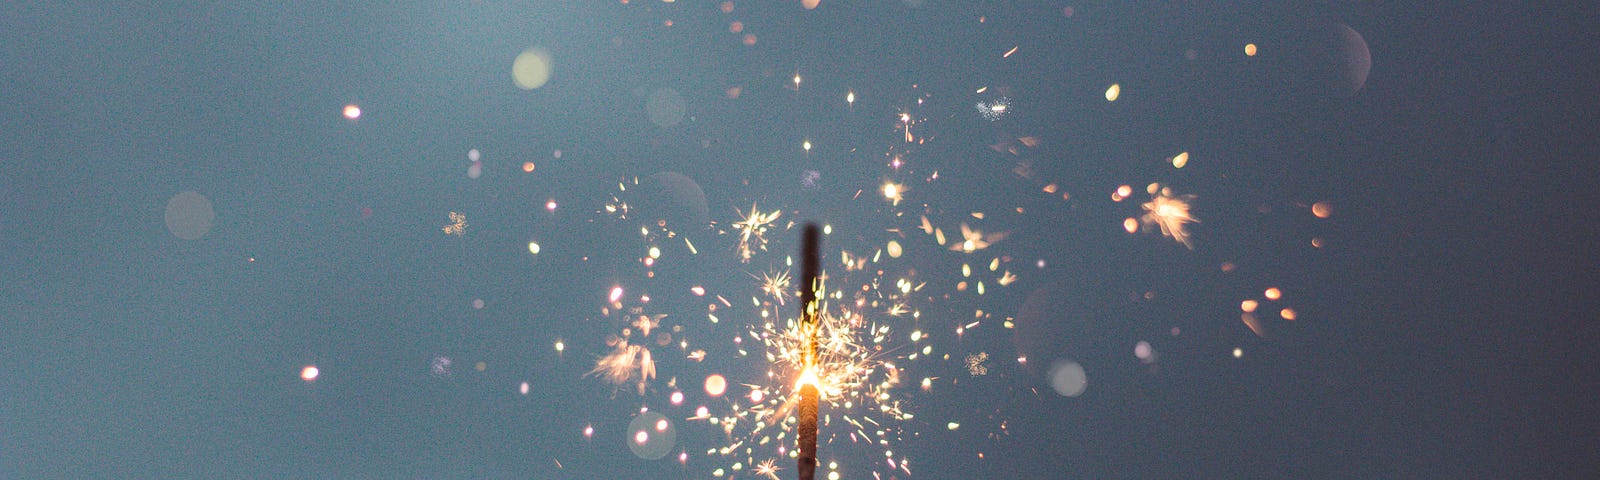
{"x":973,"y":239}
{"x":768,"y":468}
{"x":1171,"y":214}
{"x":625,"y":364}
{"x":894,"y":192}
{"x":457,"y":225}
{"x":776,"y":285}
{"x":752,"y":230}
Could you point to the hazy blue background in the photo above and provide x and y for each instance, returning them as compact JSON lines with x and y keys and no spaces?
{"x":1446,"y":327}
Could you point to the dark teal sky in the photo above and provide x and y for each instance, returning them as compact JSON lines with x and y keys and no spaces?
{"x":1444,"y":328}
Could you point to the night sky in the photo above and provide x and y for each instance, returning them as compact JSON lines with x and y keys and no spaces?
{"x":194,"y":213}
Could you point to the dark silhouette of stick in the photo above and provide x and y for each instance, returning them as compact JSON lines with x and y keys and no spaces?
{"x":809,"y":264}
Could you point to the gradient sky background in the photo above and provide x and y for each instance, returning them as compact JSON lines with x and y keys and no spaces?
{"x":1445,"y":328}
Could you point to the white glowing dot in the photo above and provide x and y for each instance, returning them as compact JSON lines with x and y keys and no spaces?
{"x":523,"y":389}
{"x":698,"y":291}
{"x":550,"y":205}
{"x":641,"y":437}
{"x":533,"y":248}
{"x":806,"y":145}
{"x":677,"y":398}
{"x":560,"y":346}
{"x":655,"y":252}
{"x":755,"y":396}
{"x":473,"y":155}
{"x":588,"y":431}
{"x":833,"y":475}
{"x":661,"y":425}
{"x":850,"y":97}
{"x":702,"y":411}
{"x":1113,"y":92}
{"x":616,"y":293}
{"x":309,"y":373}
{"x":1238,"y":352}
{"x":352,"y":111}
{"x":953,"y":425}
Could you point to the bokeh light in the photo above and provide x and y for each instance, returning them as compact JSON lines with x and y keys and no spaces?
{"x":1068,"y":378}
{"x":716,"y":385}
{"x":532,"y":68}
{"x":309,"y":373}
{"x":352,"y":111}
{"x":189,"y":215}
{"x":651,"y":436}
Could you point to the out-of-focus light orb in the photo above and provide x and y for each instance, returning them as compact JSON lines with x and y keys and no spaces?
{"x":474,"y":155}
{"x":833,"y":475}
{"x":952,"y":425}
{"x":665,"y":107}
{"x":1238,"y":352}
{"x":1180,"y":160}
{"x":850,"y":97}
{"x":1322,"y":209}
{"x":1273,"y":293}
{"x":1068,"y":378}
{"x":810,"y":4}
{"x":1142,"y":350}
{"x":805,"y":145}
{"x":528,"y":167}
{"x":309,"y":373}
{"x":1130,"y":224}
{"x":756,"y":396}
{"x":616,"y":293}
{"x":1249,"y":49}
{"x":677,"y":398}
{"x":533,"y":248}
{"x":352,"y":111}
{"x":523,"y":389}
{"x":749,"y":39}
{"x":702,"y":412}
{"x":895,"y":250}
{"x":532,"y":68}
{"x":477,"y":304}
{"x":1112,"y":92}
{"x":891,"y":191}
{"x":655,"y":252}
{"x":651,"y":436}
{"x":475,"y":170}
{"x":550,"y":205}
{"x":480,"y":366}
{"x":189,"y":215}
{"x":588,"y":431}
{"x":1248,"y":305}
{"x":1287,"y":314}
{"x":716,"y":385}
{"x":1123,"y":192}
{"x":560,"y":346}
{"x":726,"y":7}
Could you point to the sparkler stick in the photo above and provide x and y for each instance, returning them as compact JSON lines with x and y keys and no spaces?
{"x":810,"y":263}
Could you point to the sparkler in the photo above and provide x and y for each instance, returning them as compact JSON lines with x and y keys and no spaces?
{"x":808,"y":378}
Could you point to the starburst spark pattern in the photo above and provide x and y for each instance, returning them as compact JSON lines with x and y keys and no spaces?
{"x":1171,"y":214}
{"x":752,"y":229}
